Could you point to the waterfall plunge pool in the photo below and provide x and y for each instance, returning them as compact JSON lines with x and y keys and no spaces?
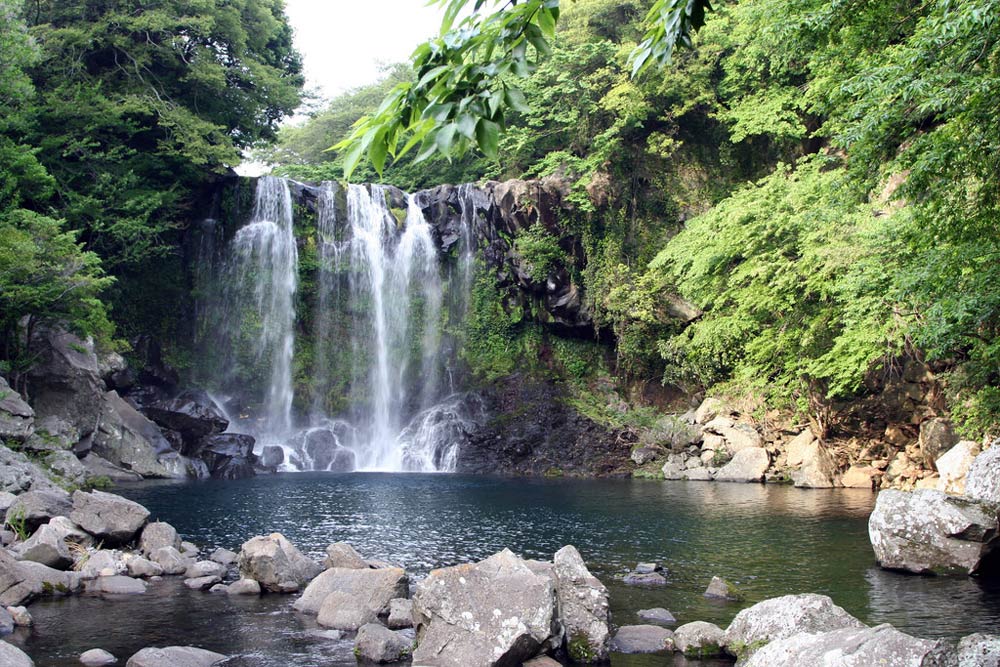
{"x":769,"y":540}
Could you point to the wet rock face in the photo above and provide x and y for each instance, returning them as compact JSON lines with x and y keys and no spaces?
{"x":193,"y":414}
{"x":927,"y":531}
{"x":320,"y":449}
{"x":228,"y":455}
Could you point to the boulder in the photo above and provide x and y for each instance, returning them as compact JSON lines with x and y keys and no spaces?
{"x":978,"y":650}
{"x":697,"y":474}
{"x":189,"y":550}
{"x":205,"y":568}
{"x":19,"y":474}
{"x":657,"y":615}
{"x":66,"y":467}
{"x":272,"y":561}
{"x":795,"y":450}
{"x":47,"y":547}
{"x":6,"y":500}
{"x":646,"y":568}
{"x":709,"y":409}
{"x":953,"y":466}
{"x":845,"y":647}
{"x":17,"y":419}
{"x":228,"y":455}
{"x":748,"y":465}
{"x":377,"y":643}
{"x":320,"y":449}
{"x":171,"y":560}
{"x":495,"y":612}
{"x":114,"y":585}
{"x":37,"y":507}
{"x":244,"y":587}
{"x":699,"y":640}
{"x":127,"y":440}
{"x":21,"y":617}
{"x":101,"y":562}
{"x":644,"y":579}
{"x":400,"y":614}
{"x":97,"y":657}
{"x":272,"y":456}
{"x":783,"y":617}
{"x":720,"y":589}
{"x":12,"y":656}
{"x":23,"y":581}
{"x":583,"y":607}
{"x":643,"y":455}
{"x":202,"y":583}
{"x":345,"y":611}
{"x":175,"y":656}
{"x":642,"y":639}
{"x":983,"y":479}
{"x":224,"y":557}
{"x":927,"y":531}
{"x":674,"y":467}
{"x":99,"y":467}
{"x":156,"y":535}
{"x":936,"y":437}
{"x":193,"y":414}
{"x":740,"y":437}
{"x":142,"y":568}
{"x":52,"y":434}
{"x":342,"y":554}
{"x":817,"y":468}
{"x":108,"y":517}
{"x":860,"y":477}
{"x":70,"y":532}
{"x":6,"y":622}
{"x":377,"y":587}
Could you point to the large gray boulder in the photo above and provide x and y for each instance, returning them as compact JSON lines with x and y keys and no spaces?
{"x":345,"y":611}
{"x":699,"y":639}
{"x":936,"y":437}
{"x":747,"y":465}
{"x":193,"y":414}
{"x":108,"y":517}
{"x":18,"y":473}
{"x":882,"y":645}
{"x":37,"y":507}
{"x":377,"y":643}
{"x":126,"y":439}
{"x":23,"y":581}
{"x":171,"y":560}
{"x":783,"y":617}
{"x":400,"y":614}
{"x":983,"y":480}
{"x":47,"y":547}
{"x":12,"y":656}
{"x":927,"y":531}
{"x":175,"y":656}
{"x":817,"y":468}
{"x":376,"y":587}
{"x":205,"y":568}
{"x":978,"y":650}
{"x":492,"y":613}
{"x":583,"y":607}
{"x":114,"y":585}
{"x":342,"y":554}
{"x":158,"y":534}
{"x":17,"y":419}
{"x":275,"y":563}
{"x":642,"y":639}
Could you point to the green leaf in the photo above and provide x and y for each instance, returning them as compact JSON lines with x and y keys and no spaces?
{"x":488,"y":137}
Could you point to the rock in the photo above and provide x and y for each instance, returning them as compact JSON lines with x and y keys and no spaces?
{"x":647,"y":568}
{"x":21,"y":617}
{"x":228,"y":455}
{"x":101,"y":562}
{"x":12,"y":656}
{"x":244,"y":587}
{"x":927,"y":531}
{"x":47,"y":547}
{"x":202,"y":583}
{"x":70,"y":532}
{"x":272,"y":456}
{"x":495,"y":612}
{"x":400,"y":614}
{"x":643,"y":455}
{"x":224,"y":557}
{"x":647,"y":579}
{"x":716,"y":426}
{"x":114,"y":585}
{"x":795,"y":450}
{"x":953,"y":466}
{"x":583,"y":607}
{"x":67,"y":467}
{"x":175,"y":656}
{"x":936,"y":437}
{"x":709,"y":409}
{"x":642,"y":639}
{"x":674,"y":467}
{"x":377,"y":587}
{"x":860,"y":477}
{"x":140,"y":567}
{"x":108,"y":517}
{"x":272,"y":560}
{"x":97,"y":657}
{"x":127,"y":440}
{"x":748,"y":465}
{"x":189,"y":550}
{"x":817,"y":469}
{"x":983,"y":479}
{"x":6,"y":500}
{"x":978,"y":650}
{"x":205,"y":568}
{"x":23,"y":581}
{"x":845,"y":647}
{"x":698,"y":474}
{"x":193,"y":414}
{"x":19,"y":474}
{"x":345,"y":611}
{"x":99,"y":467}
{"x":781,"y":617}
{"x":740,"y":437}
{"x":6,"y":622}
{"x":657,"y":615}
{"x":342,"y":554}
{"x":542,"y":661}
{"x":720,"y":589}
{"x":320,"y":449}
{"x":378,"y":644}
{"x":171,"y":560}
{"x":699,"y":640}
{"x":17,"y":419}
{"x":36,"y":507}
{"x":219,"y":588}
{"x":52,"y":434}
{"x":156,"y":535}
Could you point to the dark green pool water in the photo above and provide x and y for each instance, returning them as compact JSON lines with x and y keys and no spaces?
{"x":769,"y":540}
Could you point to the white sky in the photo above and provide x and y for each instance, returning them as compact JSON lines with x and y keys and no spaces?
{"x":343,"y":42}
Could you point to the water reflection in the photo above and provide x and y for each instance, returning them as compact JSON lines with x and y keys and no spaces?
{"x":769,"y":540}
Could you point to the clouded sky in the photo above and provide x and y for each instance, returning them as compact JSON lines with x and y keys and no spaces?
{"x":343,"y":42}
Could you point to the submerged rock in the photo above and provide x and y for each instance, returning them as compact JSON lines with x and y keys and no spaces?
{"x":97,"y":657}
{"x":699,"y":640}
{"x":175,"y":656}
{"x":486,"y":614}
{"x":846,"y":647}
{"x":274,"y":562}
{"x":720,"y":589}
{"x":642,"y":639}
{"x":114,"y":585}
{"x":927,"y":531}
{"x":657,"y":615}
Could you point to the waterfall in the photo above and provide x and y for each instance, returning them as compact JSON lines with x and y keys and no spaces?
{"x":381,"y":369}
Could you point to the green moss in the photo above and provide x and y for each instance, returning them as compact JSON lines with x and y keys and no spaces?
{"x":742,"y":650}
{"x":709,"y":650}
{"x":554,"y":472}
{"x":649,"y":471}
{"x":579,"y":649}
{"x":399,"y":214}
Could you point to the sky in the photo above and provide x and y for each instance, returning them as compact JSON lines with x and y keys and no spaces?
{"x":343,"y":42}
